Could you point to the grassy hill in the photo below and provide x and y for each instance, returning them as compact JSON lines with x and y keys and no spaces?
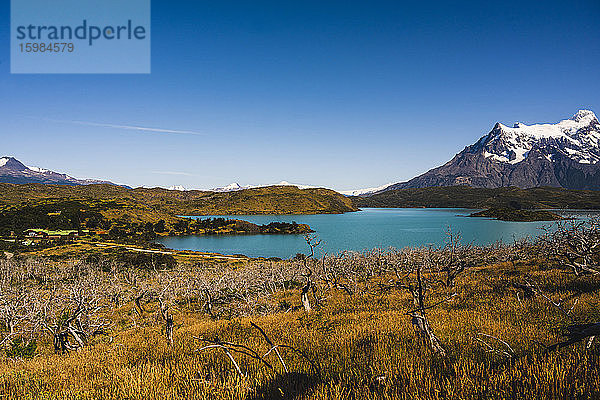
{"x":267,"y":200}
{"x":138,"y":216}
{"x":467,"y":197}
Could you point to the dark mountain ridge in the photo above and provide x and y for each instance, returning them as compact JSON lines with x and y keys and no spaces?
{"x":14,"y":171}
{"x":565,"y":154}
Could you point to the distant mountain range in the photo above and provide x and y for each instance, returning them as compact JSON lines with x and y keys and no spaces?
{"x":233,"y":187}
{"x":564,"y":154}
{"x":14,"y":171}
{"x":365,"y":192}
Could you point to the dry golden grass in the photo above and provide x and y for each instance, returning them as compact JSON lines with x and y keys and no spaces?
{"x":364,"y":345}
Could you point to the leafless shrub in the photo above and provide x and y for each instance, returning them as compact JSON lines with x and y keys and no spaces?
{"x":73,"y":315}
{"x":454,"y":258}
{"x":17,"y":302}
{"x":230,"y":349}
{"x":69,"y":300}
{"x":308,"y":261}
{"x":576,"y":245}
{"x":418,"y":274}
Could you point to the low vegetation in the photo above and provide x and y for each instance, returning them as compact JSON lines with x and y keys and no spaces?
{"x":49,"y":222}
{"x":468,"y":197}
{"x":513,"y":214}
{"x":459,"y":321}
{"x":224,"y":226}
{"x":266,"y":200}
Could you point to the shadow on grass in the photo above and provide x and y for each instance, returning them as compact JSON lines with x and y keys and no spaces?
{"x":289,"y":386}
{"x":589,"y":285}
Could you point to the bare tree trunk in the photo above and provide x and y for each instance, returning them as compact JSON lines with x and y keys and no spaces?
{"x":424,"y":330}
{"x":169,"y":323}
{"x":419,"y":319}
{"x":138,"y":303}
{"x":208,"y":306}
{"x":169,"y":326}
{"x":304,"y":297}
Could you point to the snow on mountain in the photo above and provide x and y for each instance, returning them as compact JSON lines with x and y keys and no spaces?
{"x":14,"y":171}
{"x":232,"y":187}
{"x":565,"y":154}
{"x":177,"y":188}
{"x":286,"y":183}
{"x":40,"y":170}
{"x":577,"y":137}
{"x":362,"y":192}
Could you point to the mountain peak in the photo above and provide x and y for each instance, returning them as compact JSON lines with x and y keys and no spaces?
{"x":233,"y":186}
{"x":582,"y":115}
{"x":6,"y":159}
{"x":577,"y":138}
{"x":14,"y":171}
{"x":12,"y":163}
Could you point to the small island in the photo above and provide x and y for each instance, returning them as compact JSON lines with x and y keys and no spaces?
{"x":224,"y":226}
{"x":517,"y":215}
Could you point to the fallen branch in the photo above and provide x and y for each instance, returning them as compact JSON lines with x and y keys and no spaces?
{"x":492,"y":349}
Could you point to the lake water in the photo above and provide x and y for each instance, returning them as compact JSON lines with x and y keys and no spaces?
{"x":363,"y":230}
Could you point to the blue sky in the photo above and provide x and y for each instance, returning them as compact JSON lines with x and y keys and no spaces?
{"x":339,"y":94}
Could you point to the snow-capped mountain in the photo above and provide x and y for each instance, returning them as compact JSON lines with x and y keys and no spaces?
{"x":286,"y":183}
{"x":232,"y":187}
{"x":14,"y":171}
{"x":178,"y":188}
{"x":565,"y":154}
{"x":364,"y":192}
{"x":576,"y":138}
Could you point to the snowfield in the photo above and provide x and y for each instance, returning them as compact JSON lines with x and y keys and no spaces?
{"x":577,"y":137}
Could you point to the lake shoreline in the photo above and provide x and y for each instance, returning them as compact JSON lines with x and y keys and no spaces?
{"x":365,"y":230}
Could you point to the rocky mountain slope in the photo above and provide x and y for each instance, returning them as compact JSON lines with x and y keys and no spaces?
{"x":14,"y":171}
{"x":565,"y":155}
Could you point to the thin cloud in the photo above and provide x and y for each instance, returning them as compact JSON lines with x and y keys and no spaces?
{"x":131,"y":127}
{"x":172,"y":173}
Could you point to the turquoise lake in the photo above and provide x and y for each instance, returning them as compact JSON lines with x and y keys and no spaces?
{"x":364,"y":230}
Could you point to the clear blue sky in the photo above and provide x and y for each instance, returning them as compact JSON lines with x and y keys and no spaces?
{"x":338,"y":94}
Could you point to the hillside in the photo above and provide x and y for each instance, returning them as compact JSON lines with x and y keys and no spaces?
{"x":268,"y":200}
{"x":468,"y":197}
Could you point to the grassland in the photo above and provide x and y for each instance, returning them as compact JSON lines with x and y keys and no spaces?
{"x":468,"y":197}
{"x":497,"y":322}
{"x":138,"y":216}
{"x":100,"y":320}
{"x":267,"y":200}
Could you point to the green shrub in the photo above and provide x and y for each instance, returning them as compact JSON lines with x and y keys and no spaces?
{"x":21,"y":349}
